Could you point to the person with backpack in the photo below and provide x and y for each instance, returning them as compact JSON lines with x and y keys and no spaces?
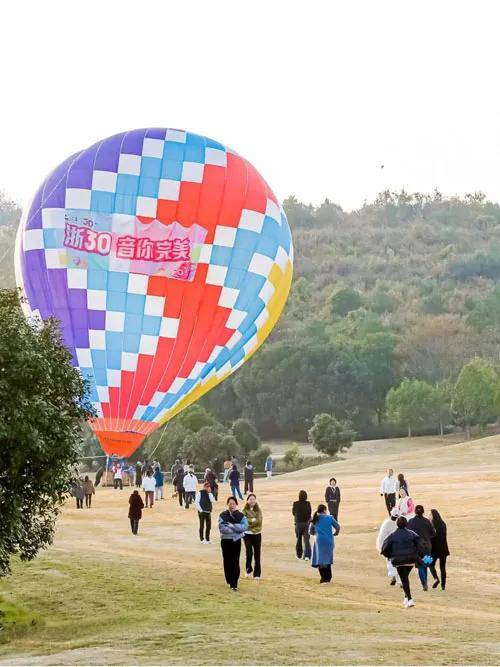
{"x":401,"y":547}
{"x":253,"y":536}
{"x":425,"y":530}
{"x":234,"y":481}
{"x":248,"y":474}
{"x":302,"y":511}
{"x":135,"y":511}
{"x":204,"y":501}
{"x":440,"y":550}
{"x":324,"y":527}
{"x":190,"y":484}
{"x":232,"y":526}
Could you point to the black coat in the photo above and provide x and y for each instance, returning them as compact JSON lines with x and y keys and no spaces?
{"x":425,"y":530}
{"x":248,"y":471}
{"x":401,"y":547}
{"x":332,"y":494}
{"x":234,"y":477}
{"x":136,"y":504}
{"x":301,"y":510}
{"x":440,"y":542}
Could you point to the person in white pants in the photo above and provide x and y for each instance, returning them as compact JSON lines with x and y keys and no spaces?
{"x":268,"y":467}
{"x":388,"y":527}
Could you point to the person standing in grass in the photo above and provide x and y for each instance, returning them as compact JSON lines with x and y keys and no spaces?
{"x":178,"y":482}
{"x":302,"y":511}
{"x":159,"y":480}
{"x":135,"y":510}
{"x":211,"y":479}
{"x":248,"y":477}
{"x":118,"y":477}
{"x":204,"y":501}
{"x":232,"y":526}
{"x":401,"y":547}
{"x":388,"y":490}
{"x":268,"y":467}
{"x":138,"y":475}
{"x":253,"y":536}
{"x":149,"y":486}
{"x":425,"y":530}
{"x":78,"y":493}
{"x":440,"y":550}
{"x":190,"y":483}
{"x":332,"y":497}
{"x":227,"y":468}
{"x":89,"y":490}
{"x":234,"y":481}
{"x":401,"y":483}
{"x":324,"y":527}
{"x":388,"y":526}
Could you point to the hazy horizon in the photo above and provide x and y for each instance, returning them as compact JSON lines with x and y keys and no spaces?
{"x":317,"y":98}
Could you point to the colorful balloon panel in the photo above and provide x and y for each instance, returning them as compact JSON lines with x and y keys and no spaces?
{"x":167,"y":259}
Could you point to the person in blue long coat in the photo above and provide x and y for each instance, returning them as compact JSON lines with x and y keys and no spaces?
{"x":323,"y":527}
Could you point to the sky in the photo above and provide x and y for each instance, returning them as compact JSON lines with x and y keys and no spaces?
{"x":327,"y":99}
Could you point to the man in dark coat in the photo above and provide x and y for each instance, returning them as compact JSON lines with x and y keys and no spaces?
{"x":332,"y":497}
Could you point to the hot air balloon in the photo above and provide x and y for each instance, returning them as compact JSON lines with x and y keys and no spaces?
{"x":167,"y":260}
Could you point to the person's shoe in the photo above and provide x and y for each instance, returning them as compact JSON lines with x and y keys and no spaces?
{"x":425,"y":587}
{"x":248,"y":574}
{"x":392,"y":581}
{"x":436,"y":583}
{"x":203,"y":541}
{"x":307,"y":559}
{"x":233,"y":589}
{"x":208,"y":542}
{"x":256,"y":578}
{"x":410,"y":603}
{"x":405,"y":602}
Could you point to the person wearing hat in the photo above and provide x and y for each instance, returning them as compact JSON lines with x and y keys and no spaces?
{"x":388,"y":526}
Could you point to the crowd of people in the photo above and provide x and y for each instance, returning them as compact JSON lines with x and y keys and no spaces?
{"x":407,"y":538}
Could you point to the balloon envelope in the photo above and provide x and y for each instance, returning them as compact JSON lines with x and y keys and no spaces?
{"x":167,"y":259}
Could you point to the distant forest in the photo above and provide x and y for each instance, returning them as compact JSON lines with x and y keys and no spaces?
{"x":405,"y":287}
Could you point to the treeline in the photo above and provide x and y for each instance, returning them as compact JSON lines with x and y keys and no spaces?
{"x":403,"y":288}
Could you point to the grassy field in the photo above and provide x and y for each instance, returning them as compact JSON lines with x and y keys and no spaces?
{"x":100,"y":595}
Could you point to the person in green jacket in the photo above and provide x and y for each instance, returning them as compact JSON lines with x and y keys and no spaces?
{"x":253,"y":536}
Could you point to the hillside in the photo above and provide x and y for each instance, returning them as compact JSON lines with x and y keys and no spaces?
{"x":406,"y":286}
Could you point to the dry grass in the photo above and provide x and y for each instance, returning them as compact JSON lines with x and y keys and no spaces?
{"x":103,"y":596}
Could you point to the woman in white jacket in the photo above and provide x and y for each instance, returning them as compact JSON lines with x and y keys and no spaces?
{"x":190,"y":484}
{"x":388,"y":526}
{"x":149,"y":486}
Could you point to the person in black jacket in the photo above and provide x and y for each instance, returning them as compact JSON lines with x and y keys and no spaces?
{"x":425,"y":530}
{"x":439,"y":549}
{"x":301,"y":511}
{"x":248,"y":476}
{"x":402,"y":548}
{"x":332,"y":497}
{"x":234,"y":481}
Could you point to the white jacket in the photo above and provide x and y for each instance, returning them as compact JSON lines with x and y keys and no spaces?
{"x":388,"y":484}
{"x":190,"y":482}
{"x":388,"y":527}
{"x":148,"y":483}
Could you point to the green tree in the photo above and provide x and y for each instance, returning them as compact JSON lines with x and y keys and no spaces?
{"x":345,"y":300}
{"x":329,"y":435}
{"x":410,"y":403}
{"x":293,"y":458}
{"x":206,"y":447}
{"x":246,"y":436}
{"x":166,"y":443}
{"x":475,"y":394}
{"x":195,"y":417}
{"x":43,"y":401}
{"x":440,"y":405}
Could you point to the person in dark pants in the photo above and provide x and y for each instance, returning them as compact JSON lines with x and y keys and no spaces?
{"x":211,"y":479}
{"x":425,"y":530}
{"x":440,"y":550}
{"x":203,"y":502}
{"x":324,"y":527}
{"x":232,"y":525}
{"x":88,"y":487}
{"x":234,"y":481}
{"x":388,"y":490}
{"x":248,"y":476}
{"x":332,"y":497}
{"x":178,"y":483}
{"x":401,"y":547}
{"x":138,"y":475}
{"x":253,"y":536}
{"x":78,"y":493}
{"x":301,"y":511}
{"x":135,"y":511}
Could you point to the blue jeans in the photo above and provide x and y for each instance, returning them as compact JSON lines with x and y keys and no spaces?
{"x":422,"y":573}
{"x":236,"y":490}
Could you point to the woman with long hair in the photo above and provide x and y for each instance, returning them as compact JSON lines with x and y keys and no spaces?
{"x":323,"y":527}
{"x":253,"y":536}
{"x":405,"y":504}
{"x":440,"y":550}
{"x":401,"y":547}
